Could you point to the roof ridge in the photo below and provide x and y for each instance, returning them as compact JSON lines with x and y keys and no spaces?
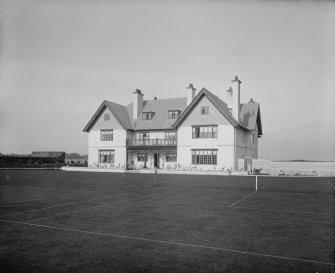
{"x":115,"y":103}
{"x":167,"y":99}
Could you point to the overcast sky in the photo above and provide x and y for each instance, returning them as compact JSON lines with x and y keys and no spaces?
{"x":60,"y":59}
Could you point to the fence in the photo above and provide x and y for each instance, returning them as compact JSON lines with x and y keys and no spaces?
{"x":294,"y":168}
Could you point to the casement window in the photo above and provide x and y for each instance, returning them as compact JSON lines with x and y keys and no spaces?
{"x":205,"y":131}
{"x":171,"y":157}
{"x":170,"y":135}
{"x":106,"y":135}
{"x":204,"y":110}
{"x":173,"y":114}
{"x":142,"y":157}
{"x":204,"y":157}
{"x":143,"y":135}
{"x":147,"y":115}
{"x":107,"y":116}
{"x":106,"y":156}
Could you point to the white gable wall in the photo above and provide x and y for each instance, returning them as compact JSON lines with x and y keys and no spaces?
{"x":224,"y":143}
{"x":118,"y":144}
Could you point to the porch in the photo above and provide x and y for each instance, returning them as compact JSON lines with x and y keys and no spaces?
{"x":151,"y":157}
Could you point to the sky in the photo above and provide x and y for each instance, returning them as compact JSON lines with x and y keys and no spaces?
{"x":60,"y":59}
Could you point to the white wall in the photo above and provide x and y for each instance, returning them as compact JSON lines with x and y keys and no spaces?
{"x":118,"y":144}
{"x":224,"y":143}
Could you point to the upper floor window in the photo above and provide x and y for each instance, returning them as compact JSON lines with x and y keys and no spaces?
{"x":204,"y":110}
{"x":106,"y":135}
{"x":147,"y":115}
{"x":170,"y":135}
{"x":107,"y":116}
{"x":173,"y":114}
{"x":205,"y":131}
{"x":143,"y":135}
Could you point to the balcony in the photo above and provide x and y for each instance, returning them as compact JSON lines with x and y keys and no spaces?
{"x":165,"y":142}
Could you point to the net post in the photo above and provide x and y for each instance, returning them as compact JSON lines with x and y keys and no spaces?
{"x":256,"y":183}
{"x":155,"y":176}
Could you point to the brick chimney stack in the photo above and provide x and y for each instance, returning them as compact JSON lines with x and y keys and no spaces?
{"x":190,"y":93}
{"x":233,"y":98}
{"x":138,"y":103}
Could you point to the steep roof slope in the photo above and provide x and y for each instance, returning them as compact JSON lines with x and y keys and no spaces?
{"x":119,"y":111}
{"x":250,"y":115}
{"x":161,"y":108}
{"x":217,"y":102}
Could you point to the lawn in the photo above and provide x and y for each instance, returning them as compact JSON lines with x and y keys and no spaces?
{"x":56,"y":221}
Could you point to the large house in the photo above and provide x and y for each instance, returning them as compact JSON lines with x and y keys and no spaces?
{"x":199,"y":131}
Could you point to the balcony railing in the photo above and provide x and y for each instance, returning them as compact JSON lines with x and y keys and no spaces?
{"x":152,"y":142}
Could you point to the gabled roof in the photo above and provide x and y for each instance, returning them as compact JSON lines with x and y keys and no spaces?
{"x":250,"y":115}
{"x":160,"y":120}
{"x":218,"y":103}
{"x":119,"y":111}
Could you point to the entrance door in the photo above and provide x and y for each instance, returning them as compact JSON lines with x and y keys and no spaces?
{"x":156,"y":161}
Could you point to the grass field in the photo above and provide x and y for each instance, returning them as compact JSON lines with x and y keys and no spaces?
{"x":56,"y":221}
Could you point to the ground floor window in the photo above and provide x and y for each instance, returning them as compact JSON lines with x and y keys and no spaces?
{"x":142,"y":156}
{"x":106,"y":156}
{"x":204,"y":157}
{"x":170,"y":157}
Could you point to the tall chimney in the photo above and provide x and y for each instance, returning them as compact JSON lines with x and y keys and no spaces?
{"x":138,"y":103}
{"x":236,"y":98}
{"x":190,"y":93}
{"x":233,"y":98}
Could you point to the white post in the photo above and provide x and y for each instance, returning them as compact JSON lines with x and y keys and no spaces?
{"x":256,"y":183}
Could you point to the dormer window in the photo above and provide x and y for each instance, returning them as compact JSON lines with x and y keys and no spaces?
{"x":174,"y":114}
{"x":147,"y":115}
